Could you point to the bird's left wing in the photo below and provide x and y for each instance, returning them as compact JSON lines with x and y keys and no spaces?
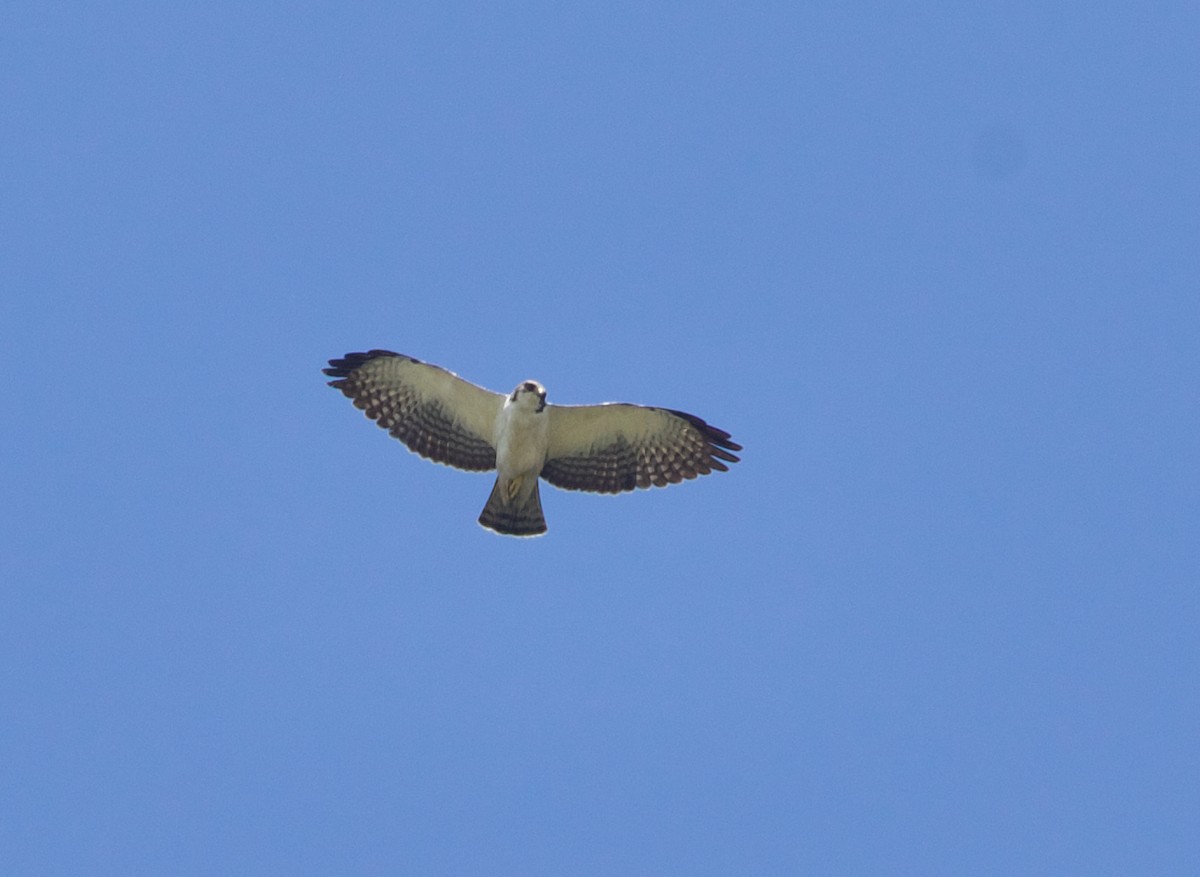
{"x":615,"y":447}
{"x":433,"y":411}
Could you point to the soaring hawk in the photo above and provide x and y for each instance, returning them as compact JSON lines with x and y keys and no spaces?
{"x":605,"y":448}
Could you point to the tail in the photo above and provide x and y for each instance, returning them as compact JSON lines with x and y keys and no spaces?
{"x":513,"y":509}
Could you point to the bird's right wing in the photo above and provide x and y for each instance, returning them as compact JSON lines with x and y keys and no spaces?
{"x":433,"y":411}
{"x":614,"y":447}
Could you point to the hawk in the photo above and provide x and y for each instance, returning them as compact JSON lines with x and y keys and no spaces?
{"x":606,"y":448}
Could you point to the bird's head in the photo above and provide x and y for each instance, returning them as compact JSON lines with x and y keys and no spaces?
{"x":529,"y":395}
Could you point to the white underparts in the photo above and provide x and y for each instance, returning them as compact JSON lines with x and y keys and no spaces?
{"x":521,"y":439}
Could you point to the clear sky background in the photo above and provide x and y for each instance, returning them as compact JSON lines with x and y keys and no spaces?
{"x":936,"y":266}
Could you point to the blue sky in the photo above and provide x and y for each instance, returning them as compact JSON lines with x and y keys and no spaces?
{"x":935,"y":266}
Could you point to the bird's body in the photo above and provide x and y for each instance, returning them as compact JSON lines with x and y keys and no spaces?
{"x":521,"y":438}
{"x":521,"y":435}
{"x":605,"y":448}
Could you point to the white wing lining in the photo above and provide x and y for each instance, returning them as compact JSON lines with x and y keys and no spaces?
{"x":617,"y":447}
{"x":434,"y":412}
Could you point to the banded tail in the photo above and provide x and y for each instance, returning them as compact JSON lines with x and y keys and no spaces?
{"x":513,"y":509}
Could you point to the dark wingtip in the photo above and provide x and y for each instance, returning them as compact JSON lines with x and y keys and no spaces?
{"x":340,"y":368}
{"x":719,"y":443}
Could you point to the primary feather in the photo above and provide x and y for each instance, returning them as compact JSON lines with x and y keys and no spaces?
{"x":606,"y":448}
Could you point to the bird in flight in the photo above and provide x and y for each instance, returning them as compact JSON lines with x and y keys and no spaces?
{"x":606,"y":448}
